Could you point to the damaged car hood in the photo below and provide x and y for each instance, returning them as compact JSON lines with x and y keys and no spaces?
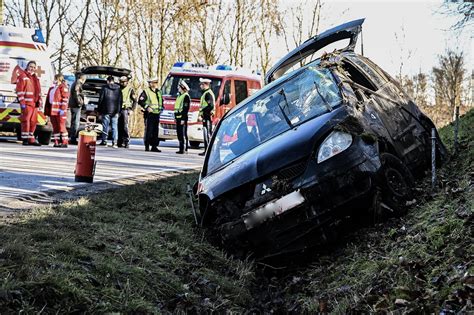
{"x":267,"y":158}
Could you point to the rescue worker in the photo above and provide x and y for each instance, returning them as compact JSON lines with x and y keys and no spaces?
{"x":109,"y":107}
{"x":56,"y":109}
{"x":76,"y":102}
{"x":129,"y":103}
{"x":181,"y":109}
{"x":152,"y":101}
{"x":28,"y":90}
{"x":206,"y":109}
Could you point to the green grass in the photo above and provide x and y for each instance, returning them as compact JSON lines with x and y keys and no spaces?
{"x":132,"y":250}
{"x":136,"y":250}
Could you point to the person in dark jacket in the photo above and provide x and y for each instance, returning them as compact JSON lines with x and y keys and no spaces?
{"x":76,"y":102}
{"x":181,"y":109}
{"x":109,"y":107}
{"x":152,"y":102}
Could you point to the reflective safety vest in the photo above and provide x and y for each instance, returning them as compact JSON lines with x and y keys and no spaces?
{"x":126,"y":97}
{"x":154,"y":100}
{"x":204,"y":104}
{"x":178,"y":105}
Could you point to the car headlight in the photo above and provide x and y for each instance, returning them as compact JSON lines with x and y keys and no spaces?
{"x":335,"y":143}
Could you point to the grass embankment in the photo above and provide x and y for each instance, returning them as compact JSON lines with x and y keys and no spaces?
{"x":129,"y":250}
{"x":134,"y":250}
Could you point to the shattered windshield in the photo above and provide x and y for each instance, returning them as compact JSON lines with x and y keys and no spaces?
{"x":309,"y":94}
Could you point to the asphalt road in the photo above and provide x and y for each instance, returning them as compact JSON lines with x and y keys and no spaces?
{"x":27,"y":170}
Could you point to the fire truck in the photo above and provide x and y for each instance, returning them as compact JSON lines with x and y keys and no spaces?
{"x":230,"y":87}
{"x":17,"y":47}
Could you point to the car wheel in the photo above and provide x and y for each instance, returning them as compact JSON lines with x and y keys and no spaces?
{"x":394,"y":188}
{"x":194,"y":144}
{"x":18,"y":134}
{"x":44,"y":137}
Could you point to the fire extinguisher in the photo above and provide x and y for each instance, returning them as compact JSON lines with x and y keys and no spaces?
{"x":85,"y":164}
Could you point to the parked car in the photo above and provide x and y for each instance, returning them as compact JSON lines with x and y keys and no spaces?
{"x":96,"y":78}
{"x":333,"y":139}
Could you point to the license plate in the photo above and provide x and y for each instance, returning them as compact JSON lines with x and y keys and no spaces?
{"x":90,"y":107}
{"x":8,"y":99}
{"x":169,"y":132}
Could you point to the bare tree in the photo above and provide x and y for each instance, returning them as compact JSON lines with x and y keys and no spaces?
{"x":405,"y":54}
{"x":77,"y":32}
{"x":267,"y":26}
{"x":448,"y":78}
{"x":463,"y":10}
{"x":301,"y":28}
{"x":106,"y":31}
{"x":209,"y":19}
{"x":241,"y":17}
{"x":64,"y":27}
{"x":421,"y":89}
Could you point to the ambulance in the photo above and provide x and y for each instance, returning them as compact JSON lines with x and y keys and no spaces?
{"x":17,"y":47}
{"x":230,"y":87}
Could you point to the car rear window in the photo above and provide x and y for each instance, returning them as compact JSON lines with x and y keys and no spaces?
{"x":310,"y":93}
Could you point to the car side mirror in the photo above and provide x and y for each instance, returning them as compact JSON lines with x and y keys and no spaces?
{"x":225,"y":99}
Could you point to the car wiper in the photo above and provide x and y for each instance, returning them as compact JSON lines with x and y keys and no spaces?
{"x":283,"y":94}
{"x":328,"y":106}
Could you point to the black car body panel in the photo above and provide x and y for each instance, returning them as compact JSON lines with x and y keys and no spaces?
{"x":265,"y":159}
{"x":357,"y":154}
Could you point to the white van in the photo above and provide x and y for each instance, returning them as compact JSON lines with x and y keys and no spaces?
{"x":17,"y":47}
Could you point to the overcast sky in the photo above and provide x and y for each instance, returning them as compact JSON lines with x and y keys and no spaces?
{"x":421,"y":31}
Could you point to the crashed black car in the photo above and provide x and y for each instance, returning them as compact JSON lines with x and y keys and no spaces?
{"x":335,"y":138}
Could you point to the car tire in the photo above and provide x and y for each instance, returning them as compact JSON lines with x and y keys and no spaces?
{"x":18,"y":134}
{"x":394,"y":188}
{"x":44,"y":137}
{"x":194,"y":144}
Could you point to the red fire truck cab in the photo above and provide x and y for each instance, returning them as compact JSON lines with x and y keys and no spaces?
{"x":230,"y":87}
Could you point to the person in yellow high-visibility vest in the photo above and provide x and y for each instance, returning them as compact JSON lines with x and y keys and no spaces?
{"x":129,"y":102}
{"x":206,"y":109}
{"x":181,"y":109}
{"x":152,"y":101}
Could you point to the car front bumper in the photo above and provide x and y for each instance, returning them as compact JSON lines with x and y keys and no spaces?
{"x":323,"y":193}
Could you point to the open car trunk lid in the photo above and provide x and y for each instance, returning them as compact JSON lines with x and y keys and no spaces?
{"x":106,"y":70}
{"x":349,"y":30}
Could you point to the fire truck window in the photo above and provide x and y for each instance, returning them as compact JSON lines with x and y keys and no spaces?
{"x":241,"y":91}
{"x":226,"y":89}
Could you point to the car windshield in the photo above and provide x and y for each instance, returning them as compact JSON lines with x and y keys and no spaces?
{"x":170,"y":87}
{"x":311,"y":93}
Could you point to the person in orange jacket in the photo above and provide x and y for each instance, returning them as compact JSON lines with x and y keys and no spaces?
{"x":56,"y":109}
{"x":28,"y":90}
